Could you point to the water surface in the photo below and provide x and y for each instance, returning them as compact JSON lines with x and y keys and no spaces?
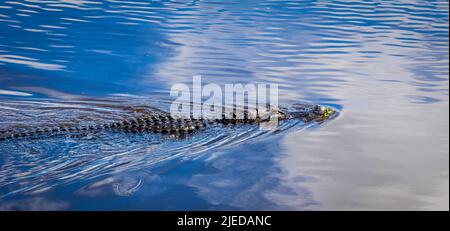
{"x":382,"y":64}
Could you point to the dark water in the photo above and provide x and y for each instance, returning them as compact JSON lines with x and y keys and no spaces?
{"x":383,"y":64}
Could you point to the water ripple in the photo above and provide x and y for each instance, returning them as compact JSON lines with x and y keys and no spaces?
{"x":30,"y":166}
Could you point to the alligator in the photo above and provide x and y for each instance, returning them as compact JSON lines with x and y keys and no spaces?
{"x":163,"y":122}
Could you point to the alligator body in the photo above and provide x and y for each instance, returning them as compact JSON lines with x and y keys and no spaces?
{"x":164,"y":122}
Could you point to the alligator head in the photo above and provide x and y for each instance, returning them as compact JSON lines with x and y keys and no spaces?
{"x":309,"y":113}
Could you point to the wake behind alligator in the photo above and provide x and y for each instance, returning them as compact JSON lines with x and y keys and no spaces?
{"x":159,"y":121}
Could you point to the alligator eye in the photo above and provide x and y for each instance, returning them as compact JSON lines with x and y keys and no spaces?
{"x":317,"y":109}
{"x":323,"y":109}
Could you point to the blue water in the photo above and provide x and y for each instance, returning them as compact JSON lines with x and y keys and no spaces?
{"x":382,"y":64}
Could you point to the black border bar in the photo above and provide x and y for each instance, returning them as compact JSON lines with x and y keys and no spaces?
{"x":275,"y":220}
